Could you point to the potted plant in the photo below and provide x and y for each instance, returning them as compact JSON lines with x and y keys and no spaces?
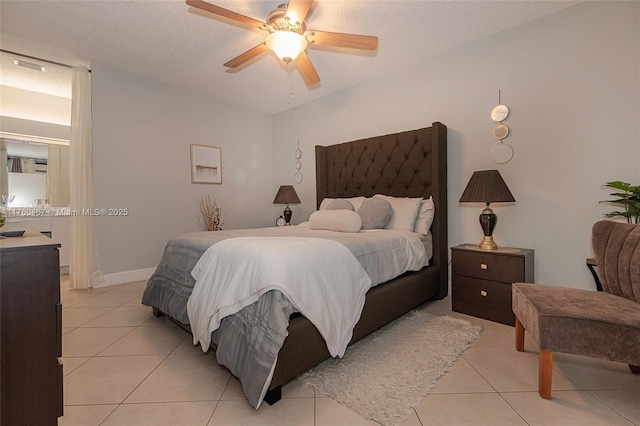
{"x":628,"y":196}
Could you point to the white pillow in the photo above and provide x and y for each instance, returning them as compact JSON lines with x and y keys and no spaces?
{"x":335,"y":220}
{"x":425,"y":216}
{"x":356,"y":201}
{"x":405,"y":212}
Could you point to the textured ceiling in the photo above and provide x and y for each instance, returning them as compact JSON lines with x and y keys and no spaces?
{"x":54,"y":80}
{"x":171,"y":42}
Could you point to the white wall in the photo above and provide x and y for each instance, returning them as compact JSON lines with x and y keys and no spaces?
{"x":142,"y":130}
{"x":572,"y":81}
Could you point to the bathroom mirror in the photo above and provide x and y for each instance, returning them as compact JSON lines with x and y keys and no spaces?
{"x":35,"y":171}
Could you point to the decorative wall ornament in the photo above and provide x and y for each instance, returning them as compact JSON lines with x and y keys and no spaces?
{"x":501,"y":131}
{"x":503,"y":152}
{"x":500,"y":112}
{"x":298,"y":154}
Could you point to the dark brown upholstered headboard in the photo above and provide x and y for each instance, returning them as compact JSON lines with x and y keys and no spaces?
{"x":407,"y":164}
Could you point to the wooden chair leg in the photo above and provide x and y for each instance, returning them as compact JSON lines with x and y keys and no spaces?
{"x":519,"y":336}
{"x":545,"y":373}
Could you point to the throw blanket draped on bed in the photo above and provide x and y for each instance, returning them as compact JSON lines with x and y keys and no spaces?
{"x":236,"y":273}
{"x":329,"y":291}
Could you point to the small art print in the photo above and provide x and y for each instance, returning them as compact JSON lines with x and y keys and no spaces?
{"x":206,"y":164}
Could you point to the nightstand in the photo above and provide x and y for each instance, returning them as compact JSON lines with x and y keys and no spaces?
{"x":481,"y":280}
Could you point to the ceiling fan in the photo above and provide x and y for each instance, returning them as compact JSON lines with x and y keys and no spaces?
{"x":288,"y":36}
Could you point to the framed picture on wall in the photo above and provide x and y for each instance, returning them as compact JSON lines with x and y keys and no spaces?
{"x":206,"y":164}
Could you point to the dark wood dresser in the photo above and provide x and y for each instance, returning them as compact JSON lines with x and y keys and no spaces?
{"x":481,"y":280}
{"x":30,"y":331}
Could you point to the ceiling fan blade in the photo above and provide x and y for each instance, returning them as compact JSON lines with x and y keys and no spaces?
{"x":217,"y":10}
{"x":246,"y":56}
{"x":353,"y":41}
{"x":297,"y":10}
{"x":306,"y":69}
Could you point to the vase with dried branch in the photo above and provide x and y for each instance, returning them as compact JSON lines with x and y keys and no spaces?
{"x":210,"y":214}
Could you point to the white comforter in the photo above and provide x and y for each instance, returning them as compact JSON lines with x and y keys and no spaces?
{"x":322,"y":278}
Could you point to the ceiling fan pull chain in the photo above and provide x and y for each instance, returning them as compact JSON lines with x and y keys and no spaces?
{"x":289,"y":84}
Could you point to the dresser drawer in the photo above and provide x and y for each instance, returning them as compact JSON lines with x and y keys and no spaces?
{"x":482,"y":298}
{"x":488,"y":266}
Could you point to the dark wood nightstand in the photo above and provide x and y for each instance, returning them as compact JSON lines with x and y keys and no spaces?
{"x":481,"y":280}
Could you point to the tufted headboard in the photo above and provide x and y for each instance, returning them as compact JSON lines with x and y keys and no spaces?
{"x":406,"y":164}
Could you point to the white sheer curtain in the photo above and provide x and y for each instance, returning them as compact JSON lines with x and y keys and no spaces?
{"x":83,"y":260}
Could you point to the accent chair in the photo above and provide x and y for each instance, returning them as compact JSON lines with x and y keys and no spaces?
{"x":599,"y":324}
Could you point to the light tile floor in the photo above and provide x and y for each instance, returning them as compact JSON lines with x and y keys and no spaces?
{"x":123,"y":366}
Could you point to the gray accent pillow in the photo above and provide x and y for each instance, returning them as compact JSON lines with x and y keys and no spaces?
{"x":375,"y":213}
{"x":340,"y":205}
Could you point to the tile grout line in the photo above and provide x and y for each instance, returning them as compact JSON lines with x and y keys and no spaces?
{"x":495,"y":390}
{"x":589,"y":391}
{"x":138,"y":385}
{"x":213,"y":412}
{"x":220,"y":399}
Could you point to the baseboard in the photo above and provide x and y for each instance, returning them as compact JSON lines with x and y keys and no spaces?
{"x":126,"y":277}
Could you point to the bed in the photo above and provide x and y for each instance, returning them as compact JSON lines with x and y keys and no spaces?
{"x":406,"y":164}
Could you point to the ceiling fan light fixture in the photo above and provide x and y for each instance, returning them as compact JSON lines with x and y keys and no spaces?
{"x":287,"y":45}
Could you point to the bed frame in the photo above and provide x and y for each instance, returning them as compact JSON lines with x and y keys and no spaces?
{"x":407,"y":164}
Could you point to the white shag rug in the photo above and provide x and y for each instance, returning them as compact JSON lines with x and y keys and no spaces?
{"x":388,"y":373}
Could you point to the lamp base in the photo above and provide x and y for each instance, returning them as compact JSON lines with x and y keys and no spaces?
{"x":488,"y":243}
{"x":488,"y":220}
{"x":287,"y":215}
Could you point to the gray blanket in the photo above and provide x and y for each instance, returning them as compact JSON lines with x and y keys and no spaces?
{"x":247,"y":342}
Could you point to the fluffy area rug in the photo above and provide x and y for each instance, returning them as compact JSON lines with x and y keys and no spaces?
{"x":388,"y":373}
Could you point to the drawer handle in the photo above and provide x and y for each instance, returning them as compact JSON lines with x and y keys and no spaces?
{"x":483,"y":293}
{"x":483,"y":266}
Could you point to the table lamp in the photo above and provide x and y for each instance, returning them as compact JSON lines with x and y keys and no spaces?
{"x":287,"y":195}
{"x":487,"y":186}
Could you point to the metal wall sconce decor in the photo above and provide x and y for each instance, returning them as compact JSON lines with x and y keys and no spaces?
{"x":503,"y":152}
{"x":298,"y":154}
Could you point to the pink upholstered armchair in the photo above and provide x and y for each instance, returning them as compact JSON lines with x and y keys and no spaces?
{"x":604,"y":324}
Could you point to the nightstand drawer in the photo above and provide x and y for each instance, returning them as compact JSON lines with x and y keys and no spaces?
{"x":481,"y":298}
{"x":488,"y":266}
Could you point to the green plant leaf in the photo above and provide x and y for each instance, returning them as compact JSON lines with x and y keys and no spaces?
{"x":629,"y":200}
